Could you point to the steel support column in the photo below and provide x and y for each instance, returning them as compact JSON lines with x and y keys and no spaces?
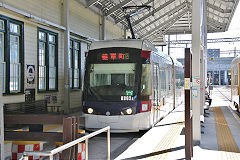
{"x":197,"y":48}
{"x":66,"y":52}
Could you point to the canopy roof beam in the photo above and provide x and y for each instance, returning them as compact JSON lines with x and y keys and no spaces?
{"x":150,"y":13}
{"x":165,"y":24}
{"x":176,"y":9}
{"x":91,"y":2}
{"x":218,"y":9}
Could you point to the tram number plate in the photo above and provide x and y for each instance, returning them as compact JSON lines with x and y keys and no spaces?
{"x":126,"y":98}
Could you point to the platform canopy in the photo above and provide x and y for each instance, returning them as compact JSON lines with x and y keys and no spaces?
{"x":167,"y":16}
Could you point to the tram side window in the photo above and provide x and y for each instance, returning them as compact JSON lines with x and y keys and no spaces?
{"x":179,"y":79}
{"x":146,"y":82}
{"x":169,"y":81}
{"x":155,"y":85}
{"x":235,"y":75}
{"x":163,"y":81}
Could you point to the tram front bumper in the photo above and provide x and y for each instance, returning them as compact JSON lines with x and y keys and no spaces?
{"x":123,"y":123}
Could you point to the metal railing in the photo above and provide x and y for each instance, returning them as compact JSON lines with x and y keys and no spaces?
{"x":71,"y":144}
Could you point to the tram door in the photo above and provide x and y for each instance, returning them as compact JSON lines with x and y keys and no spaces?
{"x":156,"y":94}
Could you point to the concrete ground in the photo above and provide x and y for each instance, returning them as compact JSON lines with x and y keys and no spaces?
{"x":167,"y":140}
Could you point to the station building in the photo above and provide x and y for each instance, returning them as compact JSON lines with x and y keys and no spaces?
{"x":218,"y":68}
{"x":32,"y":49}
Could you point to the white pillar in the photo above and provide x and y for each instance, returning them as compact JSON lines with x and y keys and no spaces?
{"x":102,"y":29}
{"x":203,"y":52}
{"x":197,"y":48}
{"x":66,"y":51}
{"x":1,"y":116}
{"x":202,"y":82}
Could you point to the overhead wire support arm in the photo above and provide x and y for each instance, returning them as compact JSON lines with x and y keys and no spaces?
{"x":130,"y":26}
{"x":128,"y":16}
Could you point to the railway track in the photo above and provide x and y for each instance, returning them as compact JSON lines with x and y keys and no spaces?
{"x":119,"y":143}
{"x":226,"y":93}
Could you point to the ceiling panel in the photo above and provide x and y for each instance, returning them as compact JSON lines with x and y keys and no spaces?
{"x":166,"y":16}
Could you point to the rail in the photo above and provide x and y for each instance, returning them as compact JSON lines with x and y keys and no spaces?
{"x":70,"y":144}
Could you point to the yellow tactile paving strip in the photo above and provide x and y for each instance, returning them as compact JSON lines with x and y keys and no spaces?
{"x":168,"y":141}
{"x":225,"y":139}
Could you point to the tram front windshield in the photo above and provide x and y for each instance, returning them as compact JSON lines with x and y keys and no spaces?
{"x":112,"y":81}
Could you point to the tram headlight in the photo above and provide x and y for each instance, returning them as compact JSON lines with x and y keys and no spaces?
{"x":90,"y":110}
{"x":129,"y":111}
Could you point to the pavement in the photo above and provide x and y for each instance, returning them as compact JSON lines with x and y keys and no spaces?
{"x":220,"y":138}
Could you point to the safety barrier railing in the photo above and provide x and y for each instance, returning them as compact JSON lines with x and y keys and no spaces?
{"x":71,"y":144}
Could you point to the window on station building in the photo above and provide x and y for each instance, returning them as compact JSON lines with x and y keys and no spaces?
{"x":74,"y":58}
{"x":47,"y":60}
{"x":11,"y":55}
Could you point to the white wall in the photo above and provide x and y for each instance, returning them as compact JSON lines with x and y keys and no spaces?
{"x":83,"y":21}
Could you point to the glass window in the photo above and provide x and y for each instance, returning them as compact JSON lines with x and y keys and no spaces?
{"x":52,"y":68}
{"x":1,"y":24}
{"x":236,"y":75}
{"x":74,"y":64}
{"x":3,"y":63}
{"x":11,"y":55}
{"x":47,"y":61}
{"x":111,"y":81}
{"x":169,"y":81}
{"x":15,"y":72}
{"x":14,"y":28}
{"x":42,"y":36}
{"x":52,"y":38}
{"x":41,"y":67}
{"x":146,"y":85}
{"x":70,"y":65}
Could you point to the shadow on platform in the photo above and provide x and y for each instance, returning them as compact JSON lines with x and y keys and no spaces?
{"x":169,"y":124}
{"x":157,"y":153}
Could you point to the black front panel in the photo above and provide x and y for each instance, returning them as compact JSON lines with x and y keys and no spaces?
{"x":112,"y":74}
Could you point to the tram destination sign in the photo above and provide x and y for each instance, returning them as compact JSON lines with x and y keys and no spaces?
{"x":113,"y":56}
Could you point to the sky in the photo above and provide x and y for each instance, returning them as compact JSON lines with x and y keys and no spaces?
{"x":233,"y":31}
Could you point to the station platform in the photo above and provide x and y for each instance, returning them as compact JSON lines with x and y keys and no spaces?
{"x":220,"y":134}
